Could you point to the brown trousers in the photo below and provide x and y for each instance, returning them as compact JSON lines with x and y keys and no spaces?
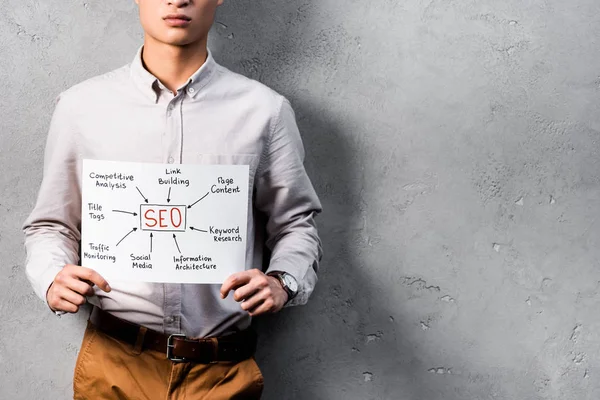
{"x":107,"y":368}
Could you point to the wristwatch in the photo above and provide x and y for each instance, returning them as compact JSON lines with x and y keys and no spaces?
{"x":289,"y":283}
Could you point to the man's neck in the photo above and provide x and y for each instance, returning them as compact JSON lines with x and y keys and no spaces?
{"x":173,"y":65}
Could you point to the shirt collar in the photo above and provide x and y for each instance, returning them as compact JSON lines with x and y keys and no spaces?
{"x":146,"y":82}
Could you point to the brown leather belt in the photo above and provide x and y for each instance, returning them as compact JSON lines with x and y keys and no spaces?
{"x":178,"y":348}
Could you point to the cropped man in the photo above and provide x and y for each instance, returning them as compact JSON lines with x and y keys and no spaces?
{"x":174,"y":104}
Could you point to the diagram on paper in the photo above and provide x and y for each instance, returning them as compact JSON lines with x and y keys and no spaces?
{"x":150,"y":222}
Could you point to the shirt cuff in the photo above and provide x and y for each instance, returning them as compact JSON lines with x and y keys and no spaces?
{"x":304,"y":274}
{"x":58,"y":313}
{"x":45,"y":282}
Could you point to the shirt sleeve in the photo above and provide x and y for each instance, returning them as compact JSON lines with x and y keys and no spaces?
{"x":52,"y":230}
{"x":285,"y":194}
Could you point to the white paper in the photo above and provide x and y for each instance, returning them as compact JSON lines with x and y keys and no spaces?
{"x":178,"y":223}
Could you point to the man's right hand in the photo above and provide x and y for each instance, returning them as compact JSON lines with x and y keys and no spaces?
{"x":70,"y":287}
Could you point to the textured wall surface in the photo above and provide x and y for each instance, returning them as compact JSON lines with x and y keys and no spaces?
{"x":455,"y":145}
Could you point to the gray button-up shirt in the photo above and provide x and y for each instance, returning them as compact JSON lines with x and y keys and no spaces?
{"x":216,"y":117}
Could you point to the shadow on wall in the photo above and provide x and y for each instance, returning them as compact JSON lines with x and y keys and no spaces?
{"x":345,"y":343}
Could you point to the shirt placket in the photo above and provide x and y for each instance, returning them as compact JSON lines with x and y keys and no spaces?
{"x":172,"y":151}
{"x":173,"y":129}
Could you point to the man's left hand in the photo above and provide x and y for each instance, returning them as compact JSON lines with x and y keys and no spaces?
{"x":258,"y":292}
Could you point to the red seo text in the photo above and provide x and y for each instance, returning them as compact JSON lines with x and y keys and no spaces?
{"x":164,"y":218}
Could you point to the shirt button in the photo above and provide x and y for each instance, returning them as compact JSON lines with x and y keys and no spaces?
{"x":169,"y":320}
{"x":191,"y":90}
{"x":171,"y":160}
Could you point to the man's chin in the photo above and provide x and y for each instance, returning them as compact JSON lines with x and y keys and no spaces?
{"x":178,"y":40}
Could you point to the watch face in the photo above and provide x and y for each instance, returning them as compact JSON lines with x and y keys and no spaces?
{"x":290,"y":281}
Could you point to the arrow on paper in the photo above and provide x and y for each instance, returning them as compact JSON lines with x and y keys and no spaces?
{"x":175,"y":238}
{"x":198,"y":230}
{"x":169,"y":196}
{"x":138,"y":189}
{"x":133,"y":230}
{"x":151,"y":236}
{"x":193,"y":204}
{"x":125,"y":212}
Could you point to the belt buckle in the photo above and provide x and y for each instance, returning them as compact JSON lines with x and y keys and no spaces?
{"x":170,"y":347}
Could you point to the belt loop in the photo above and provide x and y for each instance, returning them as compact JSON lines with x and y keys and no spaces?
{"x":215,"y":347}
{"x":139,"y":342}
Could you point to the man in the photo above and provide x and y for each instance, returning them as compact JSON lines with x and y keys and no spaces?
{"x":174,"y":104}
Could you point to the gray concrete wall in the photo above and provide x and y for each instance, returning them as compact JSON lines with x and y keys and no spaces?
{"x":455,"y":147}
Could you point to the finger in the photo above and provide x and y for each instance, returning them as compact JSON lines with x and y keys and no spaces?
{"x":234,"y":281}
{"x":53,"y":299}
{"x":247,"y":291}
{"x":256,"y":299}
{"x":72,"y":297}
{"x":265,"y":307}
{"x":64,"y":305}
{"x":257,"y":282}
{"x":252,"y":306}
{"x":82,"y":287}
{"x":88,"y":274}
